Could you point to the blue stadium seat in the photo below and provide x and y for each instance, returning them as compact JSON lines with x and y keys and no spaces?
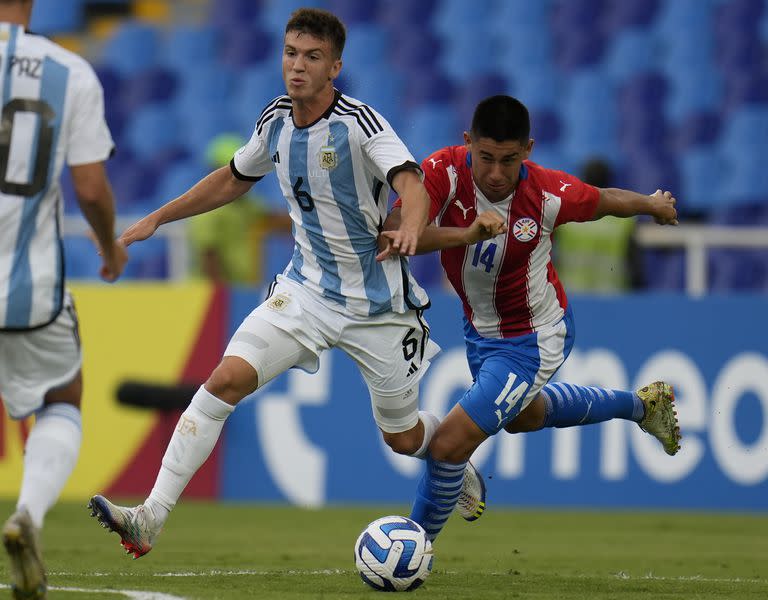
{"x":415,"y":50}
{"x":154,"y":85}
{"x":201,"y":123}
{"x":697,"y":129}
{"x":644,"y":92}
{"x":178,"y":179}
{"x":50,"y":17}
{"x":187,"y":47}
{"x":253,"y":89}
{"x":574,"y":51}
{"x":454,"y":19}
{"x":226,"y":14}
{"x":650,"y":170}
{"x":246,"y":46}
{"x":738,"y":270}
{"x":354,"y":12}
{"x":546,"y":126}
{"x":631,"y":13}
{"x":745,"y":130}
{"x":516,"y":17}
{"x":133,"y":48}
{"x":474,"y":89}
{"x":664,"y":270}
{"x":682,"y":17}
{"x":394,"y":13}
{"x":694,"y":91}
{"x":630,"y":53}
{"x":428,"y":87}
{"x":134,"y":184}
{"x":367,"y":48}
{"x":275,"y":13}
{"x":746,"y":88}
{"x":148,"y":260}
{"x":702,"y":172}
{"x":152,"y":130}
{"x":526,"y":48}
{"x":644,"y":129}
{"x":383,"y":89}
{"x":81,"y":260}
{"x":747,"y":177}
{"x":542,"y":88}
{"x":429,"y":127}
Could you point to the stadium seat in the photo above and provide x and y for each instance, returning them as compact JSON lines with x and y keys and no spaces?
{"x":546,"y":126}
{"x":696,"y":129}
{"x":746,"y":88}
{"x":664,"y":270}
{"x":148,"y":260}
{"x":133,"y":48}
{"x":354,"y":12}
{"x":541,"y":89}
{"x":694,"y":91}
{"x":81,"y":260}
{"x":152,"y":130}
{"x":579,"y":50}
{"x":428,"y":87}
{"x":178,"y":179}
{"x":681,"y":17}
{"x":631,"y":13}
{"x":701,"y":171}
{"x":367,"y":48}
{"x":524,"y":46}
{"x":50,"y":17}
{"x":246,"y":46}
{"x":430,"y":127}
{"x":394,"y":13}
{"x":187,"y":47}
{"x":473,"y":16}
{"x":630,"y":53}
{"x":475,"y":89}
{"x":745,"y":130}
{"x":154,"y":85}
{"x":230,"y":14}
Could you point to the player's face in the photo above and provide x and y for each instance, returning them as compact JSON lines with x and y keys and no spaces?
{"x":496,"y":165}
{"x":309,"y":66}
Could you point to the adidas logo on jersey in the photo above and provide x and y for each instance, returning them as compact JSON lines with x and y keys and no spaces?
{"x":276,"y":157}
{"x":412,"y":369}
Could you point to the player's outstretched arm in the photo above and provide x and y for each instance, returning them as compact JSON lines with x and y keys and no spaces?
{"x":487,"y":225}
{"x":623,"y":203}
{"x":216,"y":189}
{"x":414,"y":215}
{"x":94,"y":194}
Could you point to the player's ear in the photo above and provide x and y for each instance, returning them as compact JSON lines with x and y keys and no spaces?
{"x":335,"y":70}
{"x":529,"y":147}
{"x":467,"y":141}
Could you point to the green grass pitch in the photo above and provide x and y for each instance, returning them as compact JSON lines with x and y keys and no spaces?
{"x":233,"y":551}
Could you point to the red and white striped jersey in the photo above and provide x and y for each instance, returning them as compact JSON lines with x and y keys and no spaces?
{"x":508,"y":284}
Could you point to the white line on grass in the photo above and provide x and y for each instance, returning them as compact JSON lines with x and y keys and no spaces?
{"x":131,"y":594}
{"x":623,"y":575}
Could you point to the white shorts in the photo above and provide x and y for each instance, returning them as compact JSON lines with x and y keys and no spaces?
{"x":36,"y":361}
{"x":392,"y":350}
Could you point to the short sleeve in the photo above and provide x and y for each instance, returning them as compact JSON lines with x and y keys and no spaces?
{"x":578,"y":200}
{"x":439,"y":180}
{"x":252,"y":161}
{"x":89,"y":139}
{"x":386,"y":151}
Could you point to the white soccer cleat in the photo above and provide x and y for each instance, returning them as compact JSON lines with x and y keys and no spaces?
{"x":471,"y":504}
{"x":135,"y":526}
{"x":20,"y":537}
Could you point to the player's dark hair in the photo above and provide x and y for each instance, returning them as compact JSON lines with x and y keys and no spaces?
{"x":320,"y":24}
{"x":501,"y":118}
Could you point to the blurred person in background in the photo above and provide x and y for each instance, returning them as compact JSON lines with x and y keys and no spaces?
{"x":598,"y":256}
{"x":228,"y":243}
{"x":518,"y":324}
{"x":335,"y":159}
{"x":53,"y":112}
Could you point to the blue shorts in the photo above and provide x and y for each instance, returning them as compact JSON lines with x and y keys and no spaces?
{"x":509,"y":373}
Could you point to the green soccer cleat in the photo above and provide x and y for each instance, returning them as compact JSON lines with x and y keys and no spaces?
{"x":135,"y":526}
{"x":471,"y":503}
{"x":20,"y":537}
{"x":660,"y":418}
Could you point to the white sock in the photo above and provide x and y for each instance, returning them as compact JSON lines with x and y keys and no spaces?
{"x":430,"y":425}
{"x":192,"y":442}
{"x":50,"y":455}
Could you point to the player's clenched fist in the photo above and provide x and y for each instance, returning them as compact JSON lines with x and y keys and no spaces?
{"x":487,"y":225}
{"x":664,"y":211}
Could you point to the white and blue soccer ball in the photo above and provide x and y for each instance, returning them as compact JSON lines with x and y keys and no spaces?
{"x":393,"y":554}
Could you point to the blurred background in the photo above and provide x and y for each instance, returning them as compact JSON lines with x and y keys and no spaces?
{"x":666,"y":94}
{"x":642,"y":94}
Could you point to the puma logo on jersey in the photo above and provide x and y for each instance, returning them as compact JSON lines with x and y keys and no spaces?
{"x":434,"y":162}
{"x":462,"y":209}
{"x":565,"y":185}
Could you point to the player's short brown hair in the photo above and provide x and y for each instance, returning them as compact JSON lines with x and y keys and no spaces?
{"x":320,"y":24}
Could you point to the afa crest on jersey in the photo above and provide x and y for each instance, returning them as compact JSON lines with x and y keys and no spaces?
{"x":525,"y":229}
{"x":328,"y":157}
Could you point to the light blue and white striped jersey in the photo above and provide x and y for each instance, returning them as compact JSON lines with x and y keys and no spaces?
{"x":52,"y":112}
{"x":335,"y":175}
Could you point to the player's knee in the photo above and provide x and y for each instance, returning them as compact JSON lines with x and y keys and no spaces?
{"x":404,"y":442}
{"x":232,"y":380}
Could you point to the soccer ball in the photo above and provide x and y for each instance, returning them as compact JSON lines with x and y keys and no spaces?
{"x":393,"y":554}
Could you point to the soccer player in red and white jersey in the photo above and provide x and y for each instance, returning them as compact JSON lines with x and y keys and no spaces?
{"x":493,"y":213}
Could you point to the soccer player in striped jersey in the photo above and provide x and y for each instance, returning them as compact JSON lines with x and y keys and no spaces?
{"x":52,"y":113}
{"x":335,"y":158}
{"x":494,"y":213}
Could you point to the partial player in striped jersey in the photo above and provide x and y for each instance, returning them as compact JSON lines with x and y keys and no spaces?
{"x":494,"y":213}
{"x":335,"y":158}
{"x":52,"y":114}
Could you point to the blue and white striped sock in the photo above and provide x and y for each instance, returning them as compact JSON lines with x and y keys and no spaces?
{"x":438,"y":493}
{"x":568,"y":405}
